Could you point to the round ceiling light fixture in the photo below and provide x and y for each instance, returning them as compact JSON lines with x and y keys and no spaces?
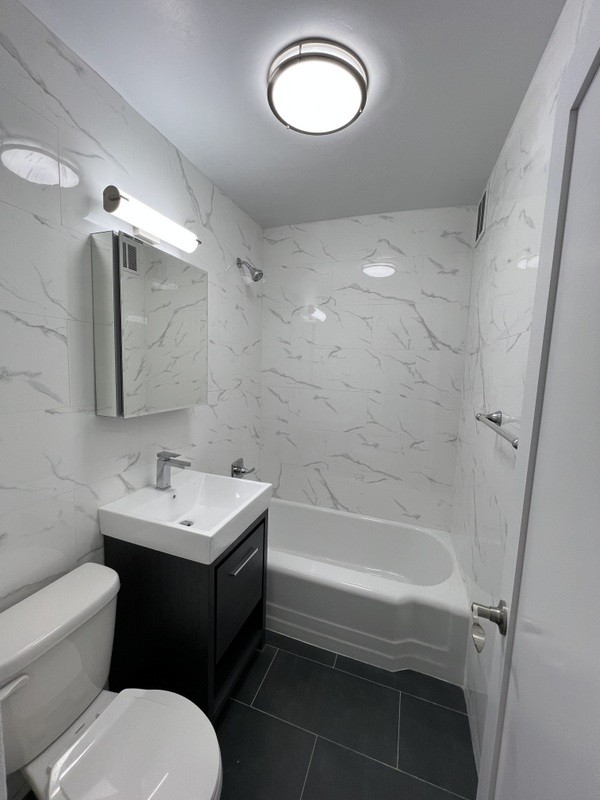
{"x":379,"y":270}
{"x":39,"y":166}
{"x":317,"y":87}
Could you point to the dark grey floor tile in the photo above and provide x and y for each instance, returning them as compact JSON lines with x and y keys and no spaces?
{"x":366,"y":671}
{"x":432,"y":689}
{"x":435,"y":744}
{"x":339,"y":774}
{"x":340,"y":707}
{"x":300,"y":648}
{"x":263,"y":758}
{"x":249,"y":684}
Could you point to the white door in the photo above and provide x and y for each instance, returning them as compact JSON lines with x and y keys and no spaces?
{"x":549,"y":747}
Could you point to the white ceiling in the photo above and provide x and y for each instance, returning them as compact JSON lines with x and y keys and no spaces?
{"x":446,"y":80}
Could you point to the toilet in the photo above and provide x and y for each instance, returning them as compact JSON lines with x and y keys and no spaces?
{"x":72,"y":739}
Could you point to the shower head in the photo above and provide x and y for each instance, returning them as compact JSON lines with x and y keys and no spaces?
{"x":255,"y":274}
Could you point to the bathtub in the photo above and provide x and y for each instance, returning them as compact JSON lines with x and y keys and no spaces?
{"x":381,"y":592}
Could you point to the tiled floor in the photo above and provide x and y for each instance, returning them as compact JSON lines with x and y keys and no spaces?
{"x":305,"y":724}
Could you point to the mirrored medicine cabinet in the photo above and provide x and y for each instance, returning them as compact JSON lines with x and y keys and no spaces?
{"x":150,"y":328}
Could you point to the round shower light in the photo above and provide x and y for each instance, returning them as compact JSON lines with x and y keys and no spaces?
{"x":381,"y":270}
{"x":317,"y":87}
{"x":38,"y":166}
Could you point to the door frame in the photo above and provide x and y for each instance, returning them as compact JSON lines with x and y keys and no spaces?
{"x":576,"y":80}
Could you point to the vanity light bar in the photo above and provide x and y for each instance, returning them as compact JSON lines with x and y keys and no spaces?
{"x":146,"y":219}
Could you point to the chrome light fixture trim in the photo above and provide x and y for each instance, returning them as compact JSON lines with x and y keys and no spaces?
{"x":145,"y":220}
{"x":318,"y":51}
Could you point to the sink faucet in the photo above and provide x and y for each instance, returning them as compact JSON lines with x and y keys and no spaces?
{"x":164,"y":461}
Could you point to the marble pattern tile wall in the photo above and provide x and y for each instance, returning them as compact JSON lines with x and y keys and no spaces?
{"x":60,"y":461}
{"x":501,"y":308}
{"x":360,"y":411}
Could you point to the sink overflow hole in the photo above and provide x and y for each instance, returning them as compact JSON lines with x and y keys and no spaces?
{"x":187,"y":522}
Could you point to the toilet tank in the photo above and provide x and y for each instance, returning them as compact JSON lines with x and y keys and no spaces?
{"x":55,"y":649}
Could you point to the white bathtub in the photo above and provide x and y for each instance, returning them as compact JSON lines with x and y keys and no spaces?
{"x":382,"y":592}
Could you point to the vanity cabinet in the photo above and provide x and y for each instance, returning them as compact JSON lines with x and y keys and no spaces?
{"x":187,"y":627}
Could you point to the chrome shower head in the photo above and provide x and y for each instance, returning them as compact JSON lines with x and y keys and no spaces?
{"x":255,"y":274}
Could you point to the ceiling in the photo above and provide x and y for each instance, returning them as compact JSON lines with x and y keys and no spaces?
{"x":446,"y":80}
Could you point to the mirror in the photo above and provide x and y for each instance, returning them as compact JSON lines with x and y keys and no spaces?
{"x":150,"y":328}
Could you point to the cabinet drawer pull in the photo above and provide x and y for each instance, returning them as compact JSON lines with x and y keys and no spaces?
{"x":247,"y":560}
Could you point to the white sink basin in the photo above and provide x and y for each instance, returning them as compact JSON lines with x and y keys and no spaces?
{"x":198,"y":518}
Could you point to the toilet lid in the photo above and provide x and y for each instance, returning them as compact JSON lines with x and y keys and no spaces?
{"x":146,"y":744}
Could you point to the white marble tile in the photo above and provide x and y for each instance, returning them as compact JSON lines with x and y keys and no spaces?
{"x":292,"y":445}
{"x":34,"y":373}
{"x":298,"y":285}
{"x":48,"y":77}
{"x":352,"y":325}
{"x":401,"y":502}
{"x":371,"y":370}
{"x":427,"y":232}
{"x":351,"y":286}
{"x":81,"y":205}
{"x":501,"y":306}
{"x":81,"y":364}
{"x":388,"y":412}
{"x":59,"y":448}
{"x":447,"y":277}
{"x":431,"y":324}
{"x":329,"y":410}
{"x":317,"y":485}
{"x":21,"y":126}
{"x":300,"y":366}
{"x":37,"y":545}
{"x":365,"y":456}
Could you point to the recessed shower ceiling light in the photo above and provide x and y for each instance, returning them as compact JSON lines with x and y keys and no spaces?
{"x":317,"y":87}
{"x":381,"y":270}
{"x":38,"y":166}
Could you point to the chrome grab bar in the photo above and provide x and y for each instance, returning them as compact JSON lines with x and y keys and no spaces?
{"x":494,"y":421}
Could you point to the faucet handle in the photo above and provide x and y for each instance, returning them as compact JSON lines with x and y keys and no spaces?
{"x":239,"y":470}
{"x":165,"y":455}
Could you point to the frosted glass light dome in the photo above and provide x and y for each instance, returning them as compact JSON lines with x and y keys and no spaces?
{"x":379,"y":270}
{"x":38,"y":166}
{"x":317,"y":87}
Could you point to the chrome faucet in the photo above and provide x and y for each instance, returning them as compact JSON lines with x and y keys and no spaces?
{"x":164,"y":461}
{"x":238,"y":470}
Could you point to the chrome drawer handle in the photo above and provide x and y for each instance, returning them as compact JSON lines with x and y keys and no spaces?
{"x":247,"y":560}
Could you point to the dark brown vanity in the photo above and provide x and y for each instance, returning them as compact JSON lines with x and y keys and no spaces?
{"x":187,"y":627}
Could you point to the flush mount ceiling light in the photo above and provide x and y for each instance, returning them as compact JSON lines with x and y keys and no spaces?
{"x":380,"y":270}
{"x":317,"y":87}
{"x":38,"y":166}
{"x":146,"y":220}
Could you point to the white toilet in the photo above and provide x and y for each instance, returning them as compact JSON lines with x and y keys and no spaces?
{"x":72,"y":739}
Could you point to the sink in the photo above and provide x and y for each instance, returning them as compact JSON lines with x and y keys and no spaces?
{"x":197,"y":518}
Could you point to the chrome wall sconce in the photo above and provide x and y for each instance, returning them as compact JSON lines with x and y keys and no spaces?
{"x":147,"y":222}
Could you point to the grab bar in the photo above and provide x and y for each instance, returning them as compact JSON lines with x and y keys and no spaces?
{"x":494,"y":421}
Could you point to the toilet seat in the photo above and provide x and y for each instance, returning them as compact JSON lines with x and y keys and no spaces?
{"x":146,"y":745}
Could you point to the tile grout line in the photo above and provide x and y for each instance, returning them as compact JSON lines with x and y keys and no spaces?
{"x":264,"y":677}
{"x":345,"y":747}
{"x":398,"y":741}
{"x":309,"y":765}
{"x":338,"y":655}
{"x":369,"y":680}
